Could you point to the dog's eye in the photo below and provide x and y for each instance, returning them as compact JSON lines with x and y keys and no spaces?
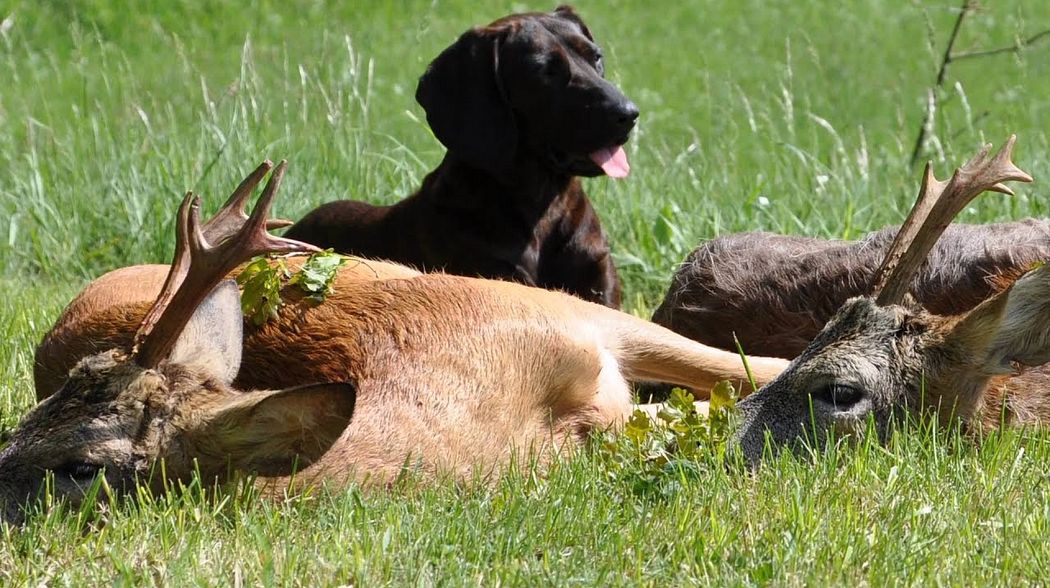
{"x":79,"y":470}
{"x":598,"y":61}
{"x":841,"y":396}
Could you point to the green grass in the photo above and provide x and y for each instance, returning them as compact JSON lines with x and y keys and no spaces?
{"x":784,"y":116}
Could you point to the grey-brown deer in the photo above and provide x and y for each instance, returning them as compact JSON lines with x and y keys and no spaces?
{"x":447,"y":375}
{"x":778,"y":291}
{"x":883,"y":354}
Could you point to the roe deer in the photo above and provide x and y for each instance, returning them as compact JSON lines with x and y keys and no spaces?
{"x":448,"y":375}
{"x":883,"y":354}
{"x":794,"y":284}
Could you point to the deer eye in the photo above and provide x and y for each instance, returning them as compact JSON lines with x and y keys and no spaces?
{"x":841,"y":396}
{"x":79,"y":470}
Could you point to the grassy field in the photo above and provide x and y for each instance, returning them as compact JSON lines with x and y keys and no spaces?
{"x":785,"y":116}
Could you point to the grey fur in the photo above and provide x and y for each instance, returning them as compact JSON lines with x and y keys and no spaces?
{"x":892,"y":359}
{"x":116,"y":417}
{"x":216,"y":324}
{"x":776,"y":292}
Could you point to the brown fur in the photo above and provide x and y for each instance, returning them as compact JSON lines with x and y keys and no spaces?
{"x":778,"y":291}
{"x":107,"y":312}
{"x":1015,"y":400}
{"x":449,"y":376}
{"x":371,"y":322}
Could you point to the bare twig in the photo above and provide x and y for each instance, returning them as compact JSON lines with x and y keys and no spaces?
{"x":931,"y":103}
{"x":933,"y":92}
{"x":1017,"y":47}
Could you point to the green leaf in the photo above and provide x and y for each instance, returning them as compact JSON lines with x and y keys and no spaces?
{"x":723,"y":397}
{"x":260,"y":283}
{"x":638,"y":426}
{"x":682,"y":400}
{"x":316,"y":275}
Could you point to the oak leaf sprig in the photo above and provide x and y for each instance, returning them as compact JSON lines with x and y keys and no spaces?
{"x":315,"y":277}
{"x":260,"y":283}
{"x":262,"y":279}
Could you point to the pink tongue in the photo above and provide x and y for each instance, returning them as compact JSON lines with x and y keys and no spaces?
{"x":613,"y":161}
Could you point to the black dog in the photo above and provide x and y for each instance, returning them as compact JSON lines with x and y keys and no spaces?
{"x":523,"y":108}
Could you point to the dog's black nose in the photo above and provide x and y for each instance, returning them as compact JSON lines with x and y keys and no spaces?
{"x":626,"y":113}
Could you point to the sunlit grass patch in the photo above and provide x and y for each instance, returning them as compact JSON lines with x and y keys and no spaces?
{"x":790,"y":117}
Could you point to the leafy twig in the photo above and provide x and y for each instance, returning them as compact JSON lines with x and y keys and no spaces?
{"x":261,"y":282}
{"x":646,"y":453}
{"x":261,"y":285}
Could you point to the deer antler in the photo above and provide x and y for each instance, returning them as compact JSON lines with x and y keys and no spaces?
{"x":203,"y":257}
{"x":220,"y":227}
{"x":937,"y":204}
{"x":231,"y":217}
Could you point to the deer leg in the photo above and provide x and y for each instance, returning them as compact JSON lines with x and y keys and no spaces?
{"x":649,"y":352}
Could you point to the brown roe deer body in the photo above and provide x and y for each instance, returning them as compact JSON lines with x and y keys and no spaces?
{"x":883,"y":354}
{"x":778,"y":291}
{"x":446,"y":375}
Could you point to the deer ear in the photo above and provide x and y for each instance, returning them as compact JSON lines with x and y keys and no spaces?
{"x":213,"y":337}
{"x":962,"y":366}
{"x":977,"y":329}
{"x":1024,"y":332}
{"x":465,"y":104}
{"x":273,"y":433}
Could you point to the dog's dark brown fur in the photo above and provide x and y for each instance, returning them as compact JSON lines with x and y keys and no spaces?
{"x":520,"y":104}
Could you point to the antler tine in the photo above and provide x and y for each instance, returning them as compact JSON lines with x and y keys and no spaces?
{"x":200,"y":265}
{"x":225,"y":223}
{"x":1011,"y":173}
{"x":256,"y":237}
{"x":937,"y":204}
{"x":231,"y":216}
{"x":180,"y":264}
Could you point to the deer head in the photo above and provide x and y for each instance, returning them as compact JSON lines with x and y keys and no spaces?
{"x":168,"y":397}
{"x":883,"y":354}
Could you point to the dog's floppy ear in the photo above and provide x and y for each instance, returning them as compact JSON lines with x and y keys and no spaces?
{"x":465,"y":104}
{"x":569,"y":13}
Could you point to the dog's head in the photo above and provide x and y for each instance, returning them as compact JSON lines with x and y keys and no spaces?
{"x":529,"y":85}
